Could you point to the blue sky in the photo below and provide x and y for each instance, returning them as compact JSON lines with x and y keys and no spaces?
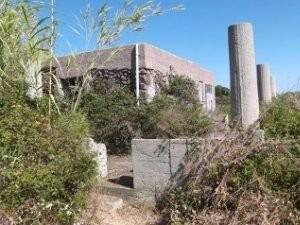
{"x":200,"y":33}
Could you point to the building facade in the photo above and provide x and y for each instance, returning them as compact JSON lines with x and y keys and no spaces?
{"x":142,"y":67}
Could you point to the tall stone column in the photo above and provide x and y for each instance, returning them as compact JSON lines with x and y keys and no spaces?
{"x":264,"y":83}
{"x":273,"y":87}
{"x":243,"y":78}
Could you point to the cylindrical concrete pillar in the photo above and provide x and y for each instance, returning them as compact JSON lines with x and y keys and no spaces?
{"x":243,"y":78}
{"x":264,"y":83}
{"x":273,"y":87}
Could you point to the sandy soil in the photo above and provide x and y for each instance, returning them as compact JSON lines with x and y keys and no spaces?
{"x":110,"y":210}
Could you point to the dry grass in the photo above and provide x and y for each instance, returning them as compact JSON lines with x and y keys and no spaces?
{"x":207,"y":194}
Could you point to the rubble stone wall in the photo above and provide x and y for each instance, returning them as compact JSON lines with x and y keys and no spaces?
{"x":150,"y":80}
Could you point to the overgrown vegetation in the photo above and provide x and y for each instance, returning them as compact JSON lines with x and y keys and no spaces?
{"x":116,"y":119}
{"x":166,"y":117}
{"x":222,"y":99}
{"x":113,"y":116}
{"x":244,"y":179}
{"x":45,"y":169}
{"x":184,"y":89}
{"x":281,"y":119}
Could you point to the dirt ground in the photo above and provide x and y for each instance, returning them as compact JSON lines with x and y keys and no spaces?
{"x":106,"y":209}
{"x":110,"y":210}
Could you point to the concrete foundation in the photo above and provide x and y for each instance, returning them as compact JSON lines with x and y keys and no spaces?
{"x":243,"y":78}
{"x":264,"y":83}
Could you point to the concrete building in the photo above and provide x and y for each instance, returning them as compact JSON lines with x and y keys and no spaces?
{"x":141,"y":67}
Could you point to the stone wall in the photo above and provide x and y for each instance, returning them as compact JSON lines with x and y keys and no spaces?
{"x":76,"y":65}
{"x":123,"y":77}
{"x":151,"y":81}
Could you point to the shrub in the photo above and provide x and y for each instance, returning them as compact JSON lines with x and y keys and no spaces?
{"x":278,"y":169}
{"x":166,"y":117}
{"x":113,"y":117}
{"x":241,"y":180}
{"x":222,"y":99}
{"x":282,"y":118}
{"x":244,"y":180}
{"x":265,"y":184}
{"x":44,"y":170}
{"x":184,"y":89}
{"x":222,"y":91}
{"x":116,"y":119}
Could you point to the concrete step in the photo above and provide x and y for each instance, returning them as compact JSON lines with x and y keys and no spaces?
{"x":113,"y":189}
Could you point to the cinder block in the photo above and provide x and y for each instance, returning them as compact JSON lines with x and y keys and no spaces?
{"x":178,"y":152}
{"x":151,"y":181}
{"x":150,"y":150}
{"x":155,"y":161}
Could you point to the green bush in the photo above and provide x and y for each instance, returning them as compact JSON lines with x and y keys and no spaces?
{"x":282,"y":118}
{"x":44,"y":170}
{"x":175,"y":113}
{"x":116,"y":119}
{"x":166,"y":117}
{"x":113,"y":117}
{"x":261,"y":183}
{"x":222,"y":99}
{"x":184,"y":89}
{"x":278,"y":169}
{"x":222,"y":91}
{"x":268,"y":180}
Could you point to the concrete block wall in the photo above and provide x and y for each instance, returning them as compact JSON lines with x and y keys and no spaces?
{"x":156,"y":164}
{"x":159,"y":59}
